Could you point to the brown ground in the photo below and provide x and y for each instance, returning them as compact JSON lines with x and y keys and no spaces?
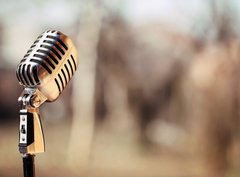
{"x":110,"y":157}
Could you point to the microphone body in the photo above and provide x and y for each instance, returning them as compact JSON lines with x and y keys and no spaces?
{"x":49,"y":64}
{"x":44,"y":72}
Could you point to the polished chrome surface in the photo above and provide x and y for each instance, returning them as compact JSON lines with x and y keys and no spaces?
{"x":49,"y":64}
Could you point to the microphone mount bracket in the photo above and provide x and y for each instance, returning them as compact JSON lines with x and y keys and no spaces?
{"x":31,"y":98}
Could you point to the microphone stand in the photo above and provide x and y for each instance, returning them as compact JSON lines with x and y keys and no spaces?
{"x":28,"y":165}
{"x":31,"y":139}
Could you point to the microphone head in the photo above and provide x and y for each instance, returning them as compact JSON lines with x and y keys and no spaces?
{"x":49,"y":64}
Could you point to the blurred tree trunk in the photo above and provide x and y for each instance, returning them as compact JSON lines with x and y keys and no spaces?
{"x":213,"y":105}
{"x":83,"y":90}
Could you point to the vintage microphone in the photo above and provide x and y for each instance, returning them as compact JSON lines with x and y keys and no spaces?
{"x":44,"y":72}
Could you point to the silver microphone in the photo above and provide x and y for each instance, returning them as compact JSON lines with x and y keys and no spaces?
{"x":49,"y":64}
{"x":44,"y":72}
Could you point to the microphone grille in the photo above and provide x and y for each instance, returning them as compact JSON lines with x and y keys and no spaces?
{"x":51,"y":60}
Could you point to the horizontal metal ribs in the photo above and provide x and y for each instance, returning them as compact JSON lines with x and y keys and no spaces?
{"x":27,"y":75}
{"x":50,"y":52}
{"x":46,"y":53}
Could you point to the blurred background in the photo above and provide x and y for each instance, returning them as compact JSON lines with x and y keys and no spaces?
{"x":156,"y":93}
